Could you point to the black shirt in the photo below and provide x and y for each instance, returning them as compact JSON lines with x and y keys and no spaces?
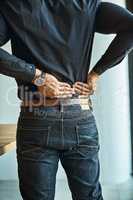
{"x":56,"y":36}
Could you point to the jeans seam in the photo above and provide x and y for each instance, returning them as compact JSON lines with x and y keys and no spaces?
{"x":29,"y":150}
{"x":77,"y":134}
{"x":31,"y":129}
{"x":48,"y":135}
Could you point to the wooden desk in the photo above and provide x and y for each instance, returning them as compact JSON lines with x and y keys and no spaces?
{"x":7,"y":137}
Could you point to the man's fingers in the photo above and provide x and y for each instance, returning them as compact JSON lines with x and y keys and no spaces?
{"x":63,"y":84}
{"x":65,"y":93}
{"x":64,"y":88}
{"x":85,"y":85}
{"x":81,"y":92}
{"x":90,"y":85}
{"x":84,"y":89}
{"x":53,"y":86}
{"x":57,"y":84}
{"x":81,"y":88}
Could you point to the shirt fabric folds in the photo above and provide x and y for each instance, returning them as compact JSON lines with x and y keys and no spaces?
{"x":57,"y":36}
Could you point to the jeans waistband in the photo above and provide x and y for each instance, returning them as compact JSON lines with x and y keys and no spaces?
{"x":82,"y":101}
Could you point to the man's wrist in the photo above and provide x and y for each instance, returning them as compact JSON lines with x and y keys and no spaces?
{"x":39,"y":78}
{"x":94,"y":74}
{"x":37,"y":74}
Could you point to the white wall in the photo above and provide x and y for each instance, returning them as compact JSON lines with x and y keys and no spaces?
{"x":9,"y":110}
{"x":111,"y":109}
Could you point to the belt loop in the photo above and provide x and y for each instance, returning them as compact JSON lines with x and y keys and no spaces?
{"x":61,"y":106}
{"x":90,"y":104}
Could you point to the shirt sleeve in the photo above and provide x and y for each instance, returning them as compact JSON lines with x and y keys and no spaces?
{"x":114,"y":19}
{"x":11,"y":65}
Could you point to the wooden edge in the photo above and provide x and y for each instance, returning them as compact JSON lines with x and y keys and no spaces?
{"x":7,"y":147}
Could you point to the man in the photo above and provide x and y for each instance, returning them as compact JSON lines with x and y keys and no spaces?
{"x":51,"y":45}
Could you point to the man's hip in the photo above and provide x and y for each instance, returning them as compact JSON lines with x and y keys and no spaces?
{"x":56,"y":128}
{"x":71,"y":133}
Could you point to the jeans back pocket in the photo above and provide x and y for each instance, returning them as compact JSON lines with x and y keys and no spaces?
{"x":31,"y":135}
{"x":87,"y":131}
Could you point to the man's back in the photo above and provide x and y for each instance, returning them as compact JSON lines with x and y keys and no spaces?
{"x":54,"y":35}
{"x":57,"y":37}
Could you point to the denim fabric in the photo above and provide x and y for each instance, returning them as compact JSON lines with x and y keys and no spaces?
{"x":46,"y":135}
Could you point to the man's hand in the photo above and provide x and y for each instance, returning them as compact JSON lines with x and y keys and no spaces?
{"x":54,"y":88}
{"x":81,"y":88}
{"x":92,"y":81}
{"x":89,"y":87}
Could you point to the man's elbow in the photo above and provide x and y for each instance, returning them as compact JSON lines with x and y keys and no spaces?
{"x":3,"y":41}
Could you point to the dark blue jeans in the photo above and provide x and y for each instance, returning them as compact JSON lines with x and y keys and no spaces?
{"x":46,"y":135}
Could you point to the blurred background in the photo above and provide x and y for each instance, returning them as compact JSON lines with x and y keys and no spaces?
{"x":113,"y":110}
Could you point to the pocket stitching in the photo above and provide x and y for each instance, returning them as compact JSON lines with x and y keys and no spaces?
{"x":48,"y":133}
{"x":79,"y":136}
{"x":33,"y":128}
{"x":29,"y":150}
{"x":91,"y":147}
{"x":41,"y":144}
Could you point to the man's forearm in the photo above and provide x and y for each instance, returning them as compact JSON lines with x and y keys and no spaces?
{"x":120,"y":24}
{"x":15,"y":67}
{"x":116,"y":52}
